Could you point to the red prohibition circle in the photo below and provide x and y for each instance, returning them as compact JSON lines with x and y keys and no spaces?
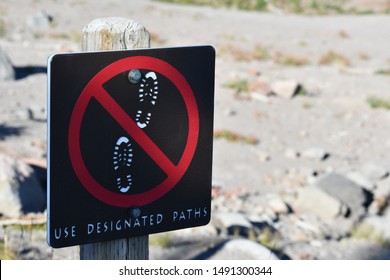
{"x":94,"y":89}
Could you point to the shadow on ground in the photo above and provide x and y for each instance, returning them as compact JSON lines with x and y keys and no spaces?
{"x":25,"y":71}
{"x":6,"y":131}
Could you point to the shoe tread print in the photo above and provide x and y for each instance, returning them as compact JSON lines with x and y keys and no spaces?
{"x":123,"y":156}
{"x":147,"y":94}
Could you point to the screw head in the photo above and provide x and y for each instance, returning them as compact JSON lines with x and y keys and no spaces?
{"x":135,"y":212}
{"x":134,"y":76}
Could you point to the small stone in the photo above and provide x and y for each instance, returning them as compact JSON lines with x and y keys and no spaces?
{"x":291,"y":154}
{"x":315,"y":154}
{"x":260,"y":97}
{"x":278,"y":206}
{"x":286,"y":88}
{"x":37,"y":113}
{"x":254,"y":72}
{"x":229,"y":112}
{"x":263,"y":157}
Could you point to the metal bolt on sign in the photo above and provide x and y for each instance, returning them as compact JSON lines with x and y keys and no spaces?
{"x":135,"y":212}
{"x":134,"y":76}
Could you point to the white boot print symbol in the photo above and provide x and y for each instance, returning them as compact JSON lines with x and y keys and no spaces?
{"x":148,"y":92}
{"x":123,"y":156}
{"x":123,"y":153}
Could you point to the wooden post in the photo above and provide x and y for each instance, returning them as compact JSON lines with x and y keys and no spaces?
{"x":104,"y":34}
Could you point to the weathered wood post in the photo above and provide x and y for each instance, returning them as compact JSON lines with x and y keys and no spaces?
{"x":104,"y":34}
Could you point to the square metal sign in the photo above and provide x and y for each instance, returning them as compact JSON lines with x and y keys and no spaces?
{"x":130,"y":138}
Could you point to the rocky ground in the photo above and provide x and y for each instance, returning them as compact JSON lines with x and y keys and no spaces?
{"x":301,"y":168}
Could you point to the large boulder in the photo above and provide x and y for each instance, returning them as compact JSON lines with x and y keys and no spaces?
{"x":20,"y":191}
{"x":244,"y":249}
{"x":316,"y":201}
{"x":231,"y":223}
{"x":356,"y":198}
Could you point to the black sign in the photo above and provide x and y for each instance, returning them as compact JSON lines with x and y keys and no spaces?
{"x":130,"y":143}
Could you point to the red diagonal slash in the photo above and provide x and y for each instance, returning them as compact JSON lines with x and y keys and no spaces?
{"x":94,"y":89}
{"x":134,"y":131}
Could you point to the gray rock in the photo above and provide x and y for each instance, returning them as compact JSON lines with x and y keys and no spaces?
{"x":315,"y":154}
{"x":244,"y":249}
{"x":302,"y":228}
{"x":291,"y":154}
{"x":40,"y":21}
{"x":37,"y":113}
{"x":232,"y":224}
{"x":348,"y":192}
{"x":261,"y":220}
{"x":278,"y":206}
{"x":286,"y":88}
{"x":263,"y":156}
{"x":7,"y":71}
{"x":318,"y":202}
{"x":361,"y":180}
{"x":20,"y":191}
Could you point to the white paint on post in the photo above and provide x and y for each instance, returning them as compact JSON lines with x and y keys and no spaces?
{"x":104,"y":34}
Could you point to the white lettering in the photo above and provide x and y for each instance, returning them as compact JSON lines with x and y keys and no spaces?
{"x":159,"y":218}
{"x":90,"y":228}
{"x":73,"y":231}
{"x":188,"y":214}
{"x":56,"y":235}
{"x":118,"y":225}
{"x":151,"y":221}
{"x":65,"y":232}
{"x":136,"y":223}
{"x":205,"y":212}
{"x":197,"y":213}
